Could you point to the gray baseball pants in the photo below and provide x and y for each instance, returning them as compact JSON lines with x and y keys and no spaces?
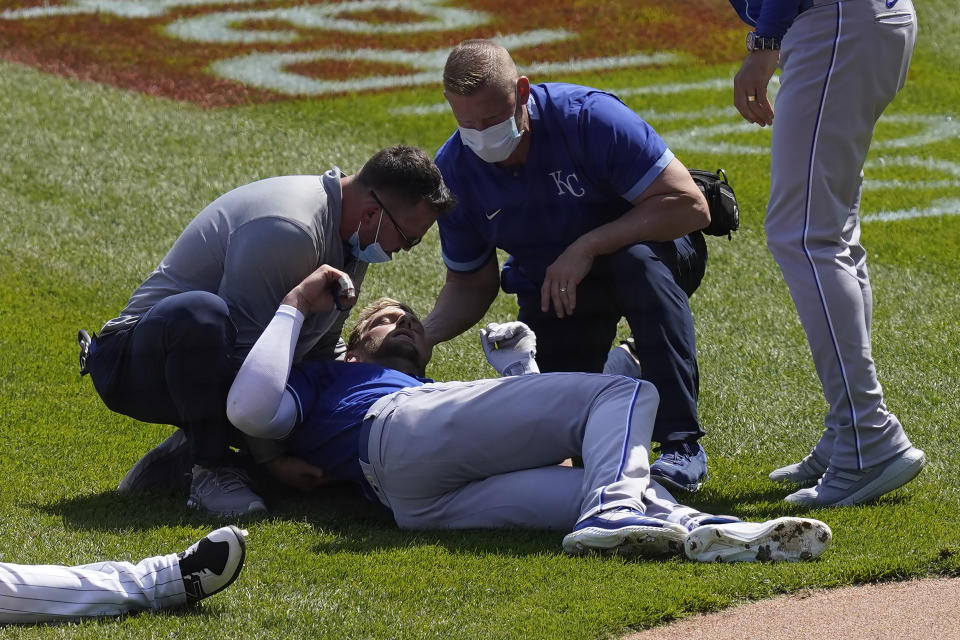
{"x":842,"y":62}
{"x":484,"y":454}
{"x":52,"y":593}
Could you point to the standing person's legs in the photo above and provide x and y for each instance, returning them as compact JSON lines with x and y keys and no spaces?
{"x":841,"y":67}
{"x":174,"y":367}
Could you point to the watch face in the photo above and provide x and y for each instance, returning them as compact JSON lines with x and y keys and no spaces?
{"x":757,"y":43}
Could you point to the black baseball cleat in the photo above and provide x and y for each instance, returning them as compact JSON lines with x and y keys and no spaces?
{"x":213,"y":563}
{"x":163,"y":469}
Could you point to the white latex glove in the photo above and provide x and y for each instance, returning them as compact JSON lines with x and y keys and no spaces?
{"x":510,"y":348}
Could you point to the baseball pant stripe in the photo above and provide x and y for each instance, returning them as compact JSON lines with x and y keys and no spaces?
{"x":806,"y":223}
{"x":624,"y":449}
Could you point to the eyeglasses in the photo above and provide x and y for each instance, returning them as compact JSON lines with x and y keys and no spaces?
{"x":410,"y":243}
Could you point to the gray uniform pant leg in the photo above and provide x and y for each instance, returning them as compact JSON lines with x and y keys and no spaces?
{"x":842,"y":64}
{"x":484,"y":454}
{"x":52,"y":593}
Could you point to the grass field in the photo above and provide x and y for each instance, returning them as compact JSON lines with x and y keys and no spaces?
{"x":96,"y":183}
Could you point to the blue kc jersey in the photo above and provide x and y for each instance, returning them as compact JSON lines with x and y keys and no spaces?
{"x":770,"y":18}
{"x":332,"y":398}
{"x":590,"y":156}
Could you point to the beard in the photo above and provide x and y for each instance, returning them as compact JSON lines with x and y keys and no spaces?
{"x":390,"y":352}
{"x":399,"y":350}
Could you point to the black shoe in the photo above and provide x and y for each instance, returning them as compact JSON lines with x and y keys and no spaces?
{"x":84,"y":339}
{"x":213,"y":563}
{"x":163,"y":469}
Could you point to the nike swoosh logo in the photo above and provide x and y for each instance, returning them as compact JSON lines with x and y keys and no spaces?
{"x":491,"y":216}
{"x":890,"y":3}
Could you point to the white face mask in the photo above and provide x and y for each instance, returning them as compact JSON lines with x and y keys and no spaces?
{"x":373,"y":252}
{"x":493,"y":144}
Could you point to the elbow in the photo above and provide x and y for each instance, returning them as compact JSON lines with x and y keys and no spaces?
{"x":250,"y":418}
{"x":699,"y":212}
{"x":490,"y":286}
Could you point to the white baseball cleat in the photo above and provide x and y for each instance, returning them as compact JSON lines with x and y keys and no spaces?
{"x":784,"y":539}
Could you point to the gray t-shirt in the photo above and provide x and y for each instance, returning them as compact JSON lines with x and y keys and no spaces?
{"x":251,"y":246}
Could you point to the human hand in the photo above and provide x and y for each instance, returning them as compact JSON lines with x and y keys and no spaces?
{"x":510,"y":348}
{"x":296,"y":473}
{"x":751,"y":82}
{"x":323,"y":290}
{"x":561,"y":279}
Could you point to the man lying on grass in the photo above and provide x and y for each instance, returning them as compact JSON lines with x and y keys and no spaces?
{"x":481,"y":454}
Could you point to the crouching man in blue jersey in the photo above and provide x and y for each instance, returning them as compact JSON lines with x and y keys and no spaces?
{"x":482,"y":454}
{"x":601,"y":222}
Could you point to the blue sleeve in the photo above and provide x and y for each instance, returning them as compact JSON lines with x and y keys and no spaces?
{"x":769,"y":18}
{"x":621,"y":149}
{"x":776,"y":16}
{"x":463,"y":248}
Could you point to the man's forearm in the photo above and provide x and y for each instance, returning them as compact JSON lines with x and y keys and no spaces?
{"x":669,"y":209}
{"x":676,"y":216}
{"x":462,"y":302}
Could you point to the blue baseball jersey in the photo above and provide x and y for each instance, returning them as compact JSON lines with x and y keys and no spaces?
{"x":769,"y":18}
{"x":332,"y":398}
{"x":590,"y":156}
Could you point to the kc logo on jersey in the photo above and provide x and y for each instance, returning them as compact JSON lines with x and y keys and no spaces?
{"x":569,"y":184}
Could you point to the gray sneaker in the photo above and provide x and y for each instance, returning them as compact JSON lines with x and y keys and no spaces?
{"x":840,"y":487}
{"x":803,"y":473}
{"x":224,"y":492}
{"x":163,"y":469}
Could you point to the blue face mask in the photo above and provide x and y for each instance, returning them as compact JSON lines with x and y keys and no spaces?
{"x":371,"y":253}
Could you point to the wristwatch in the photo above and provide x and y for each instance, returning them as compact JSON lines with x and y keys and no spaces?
{"x":760,"y":43}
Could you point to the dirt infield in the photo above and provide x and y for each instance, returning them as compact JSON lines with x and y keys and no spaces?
{"x":916,"y":609}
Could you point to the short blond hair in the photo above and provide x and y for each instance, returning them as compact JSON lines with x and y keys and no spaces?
{"x":366,"y":316}
{"x":477,"y":64}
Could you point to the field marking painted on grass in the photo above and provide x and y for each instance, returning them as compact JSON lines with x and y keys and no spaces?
{"x":221,"y":27}
{"x":275,"y":70}
{"x":118,"y":8}
{"x":942,"y":207}
{"x":270,"y":70}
